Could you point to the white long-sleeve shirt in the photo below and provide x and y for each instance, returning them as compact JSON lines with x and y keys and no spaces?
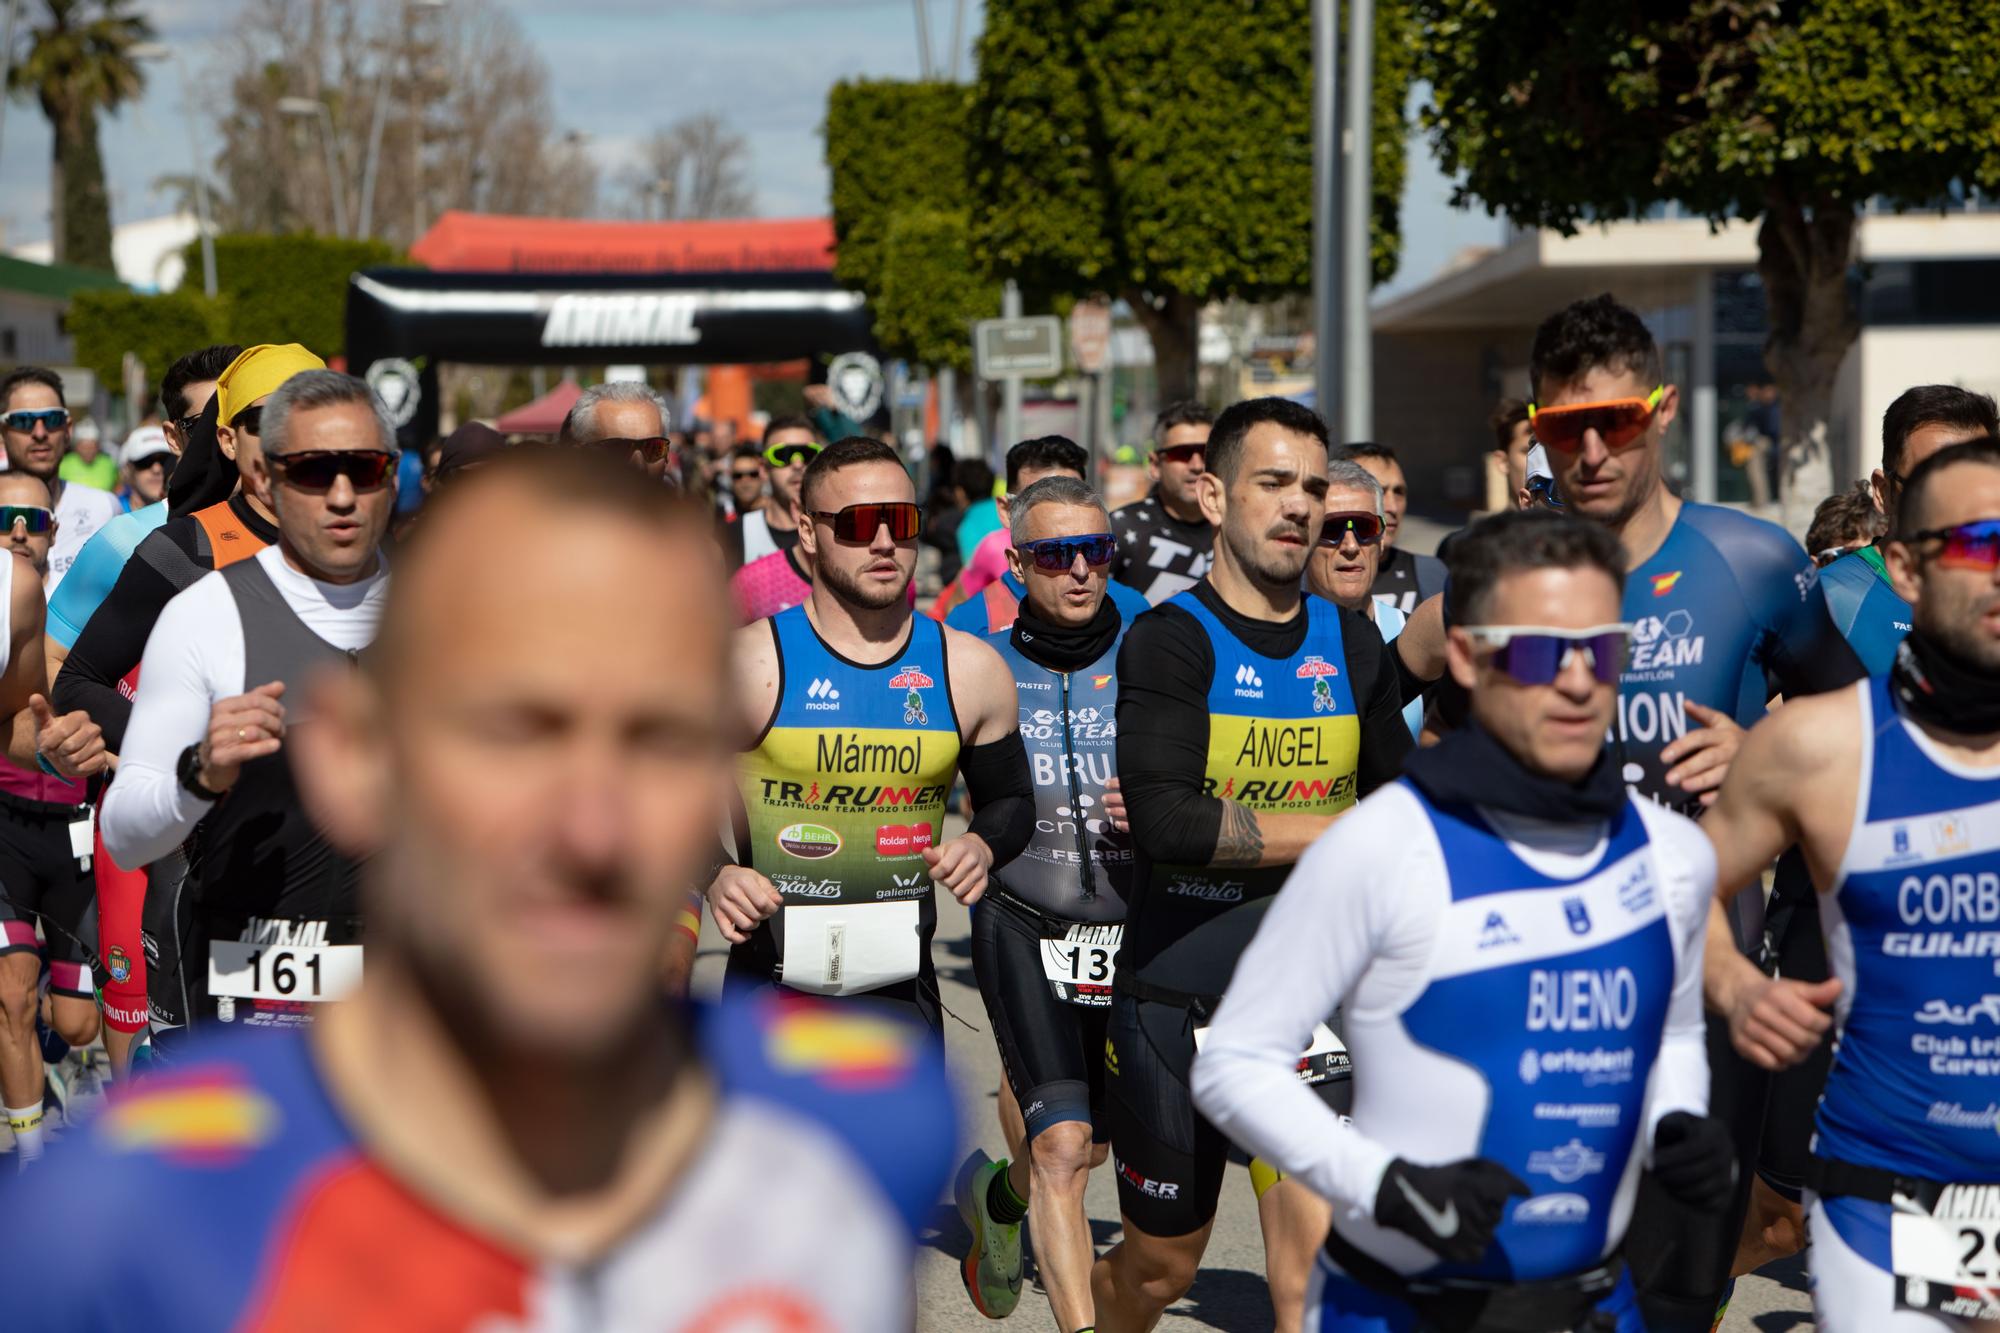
{"x":195,"y":658}
{"x":1510,"y":1019}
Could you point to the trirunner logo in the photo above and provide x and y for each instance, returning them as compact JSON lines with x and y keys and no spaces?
{"x":821,"y":697}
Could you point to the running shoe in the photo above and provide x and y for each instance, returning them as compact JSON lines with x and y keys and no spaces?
{"x":992,"y":1268}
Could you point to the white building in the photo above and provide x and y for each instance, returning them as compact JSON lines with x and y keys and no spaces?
{"x":1929,"y":289}
{"x":148,"y":254}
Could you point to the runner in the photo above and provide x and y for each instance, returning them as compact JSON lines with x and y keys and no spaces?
{"x":1405,"y":578}
{"x":1518,"y":942}
{"x":1343,"y":564}
{"x":1888,"y":789}
{"x":1164,"y":543}
{"x":185,"y":390}
{"x":1920,"y":422}
{"x":35,"y":426}
{"x":147,"y":461}
{"x":627,"y":418}
{"x":212,"y":719}
{"x":790,"y":443}
{"x":990,"y":585}
{"x":858,"y":714}
{"x":1726,"y":611}
{"x":1250,"y":716}
{"x":212,"y":522}
{"x":45,"y":879}
{"x":1045,"y":935}
{"x":505,"y":1127}
{"x":747,"y":482}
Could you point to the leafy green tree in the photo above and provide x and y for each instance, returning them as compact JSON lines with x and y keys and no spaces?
{"x":79,"y":63}
{"x":1162,"y":152}
{"x":1791,"y":113}
{"x":157,"y":329}
{"x":896,"y":153}
{"x":289,"y":288}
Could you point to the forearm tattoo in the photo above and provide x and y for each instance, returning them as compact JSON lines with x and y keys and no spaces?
{"x":1241,"y":842}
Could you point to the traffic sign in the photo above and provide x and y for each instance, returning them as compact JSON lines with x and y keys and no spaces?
{"x":1090,"y":335}
{"x":1031,"y":347}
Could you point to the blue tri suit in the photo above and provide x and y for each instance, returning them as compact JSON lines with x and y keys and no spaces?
{"x":1514,"y":989}
{"x":97,"y":568}
{"x":1912,"y":925}
{"x":1728,"y":612}
{"x":1866,"y":607}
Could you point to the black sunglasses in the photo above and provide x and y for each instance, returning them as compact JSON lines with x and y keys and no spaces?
{"x":318,"y":469}
{"x":250,"y":421}
{"x":652,"y":450}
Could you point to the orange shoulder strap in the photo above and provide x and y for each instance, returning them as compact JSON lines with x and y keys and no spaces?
{"x":229,"y":539}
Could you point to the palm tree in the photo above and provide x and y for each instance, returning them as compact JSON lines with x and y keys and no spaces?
{"x":79,"y":62}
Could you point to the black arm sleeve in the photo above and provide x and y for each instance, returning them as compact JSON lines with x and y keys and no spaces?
{"x":1003,"y":795}
{"x":1164,"y":668}
{"x":1371,"y":667}
{"x":115,"y":639}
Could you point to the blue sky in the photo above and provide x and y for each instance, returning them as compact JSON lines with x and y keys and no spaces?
{"x":620,"y":67}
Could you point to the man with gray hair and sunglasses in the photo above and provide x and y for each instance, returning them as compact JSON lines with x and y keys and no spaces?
{"x":1518,"y":943}
{"x":274,"y":927}
{"x":623,"y":416}
{"x":1045,"y":936}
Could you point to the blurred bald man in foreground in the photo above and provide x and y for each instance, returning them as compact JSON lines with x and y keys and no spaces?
{"x":506,"y":1122}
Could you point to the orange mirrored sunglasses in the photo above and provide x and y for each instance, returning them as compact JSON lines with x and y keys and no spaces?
{"x":1620,"y":421}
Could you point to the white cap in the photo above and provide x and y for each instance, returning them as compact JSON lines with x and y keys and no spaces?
{"x":1538,"y":463}
{"x":143,"y":443}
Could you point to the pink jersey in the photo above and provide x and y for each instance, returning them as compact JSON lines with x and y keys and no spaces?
{"x":988,"y":563}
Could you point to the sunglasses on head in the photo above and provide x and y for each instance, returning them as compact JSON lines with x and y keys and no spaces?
{"x":652,"y":450}
{"x":250,"y":421}
{"x":858,"y":524}
{"x":784,"y":455}
{"x":1057,"y":555}
{"x":1537,"y":654}
{"x":1182,"y":453}
{"x":1366,"y":527}
{"x":318,"y":469}
{"x":48,"y":418}
{"x":1974,"y":546}
{"x":38,"y":519}
{"x":1619,"y":421}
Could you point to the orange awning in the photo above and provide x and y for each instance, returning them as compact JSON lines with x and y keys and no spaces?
{"x":493,"y":243}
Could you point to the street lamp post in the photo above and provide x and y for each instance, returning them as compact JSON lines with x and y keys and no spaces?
{"x":306,"y":106}
{"x":1326,"y":203}
{"x":161,"y":51}
{"x":1357,"y":409}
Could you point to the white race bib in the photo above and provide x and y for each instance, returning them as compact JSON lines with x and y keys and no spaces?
{"x":1081,"y":964}
{"x":243,"y":970}
{"x":847,"y":948}
{"x":1947,"y":1262}
{"x":1323,"y":1059}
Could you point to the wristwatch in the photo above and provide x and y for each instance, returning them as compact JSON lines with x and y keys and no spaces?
{"x":188,"y":770}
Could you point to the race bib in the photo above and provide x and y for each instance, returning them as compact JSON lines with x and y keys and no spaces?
{"x":1324,"y":1059}
{"x":848,"y":948}
{"x":1947,"y":1261}
{"x":1081,"y":962}
{"x":242,"y":970}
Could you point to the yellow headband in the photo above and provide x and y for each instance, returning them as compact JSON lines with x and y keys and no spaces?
{"x":257,"y":372}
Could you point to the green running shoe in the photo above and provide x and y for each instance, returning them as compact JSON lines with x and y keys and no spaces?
{"x":992,"y":1268}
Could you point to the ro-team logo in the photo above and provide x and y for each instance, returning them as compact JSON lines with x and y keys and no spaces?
{"x":914,"y":680}
{"x":1316,"y":669}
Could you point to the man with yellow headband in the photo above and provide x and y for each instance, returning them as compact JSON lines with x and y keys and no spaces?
{"x":215,"y":521}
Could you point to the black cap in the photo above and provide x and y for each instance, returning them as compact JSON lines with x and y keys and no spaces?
{"x":469,"y":445}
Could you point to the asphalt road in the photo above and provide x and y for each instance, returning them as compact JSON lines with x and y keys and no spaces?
{"x":1230,"y":1293}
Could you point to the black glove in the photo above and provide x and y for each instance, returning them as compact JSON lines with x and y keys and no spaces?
{"x":1695,"y":1161}
{"x":1450,"y":1210}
